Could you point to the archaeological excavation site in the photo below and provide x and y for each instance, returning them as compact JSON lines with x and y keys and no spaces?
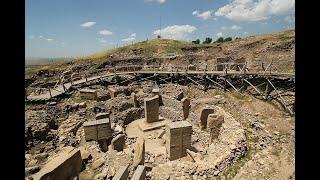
{"x":221,"y":111}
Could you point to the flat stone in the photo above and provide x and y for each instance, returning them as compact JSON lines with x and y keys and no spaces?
{"x":66,"y":165}
{"x":82,"y":105}
{"x":118,"y":129}
{"x":145,"y":126}
{"x":98,"y":163}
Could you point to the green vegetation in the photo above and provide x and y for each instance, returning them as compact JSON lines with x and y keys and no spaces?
{"x":228,"y":39}
{"x":234,"y":168}
{"x":219,"y":40}
{"x":207,"y":40}
{"x":196,"y":41}
{"x":149,"y":48}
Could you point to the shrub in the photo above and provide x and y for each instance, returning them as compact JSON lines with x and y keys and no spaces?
{"x":207,"y":40}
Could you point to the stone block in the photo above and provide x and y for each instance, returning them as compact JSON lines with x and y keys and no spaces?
{"x":215,"y":122}
{"x":178,"y":136}
{"x":155,"y":92}
{"x":88,"y":94}
{"x":134,"y":100}
{"x":204,"y":116}
{"x":97,"y":130}
{"x":66,"y":165}
{"x":151,"y":107}
{"x":118,"y":142}
{"x":185,"y":107}
{"x":139,"y":152}
{"x":102,"y":116}
{"x":113,"y":92}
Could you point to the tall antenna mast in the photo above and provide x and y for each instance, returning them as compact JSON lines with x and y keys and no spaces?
{"x":160,"y":26}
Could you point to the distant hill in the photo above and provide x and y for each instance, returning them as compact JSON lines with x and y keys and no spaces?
{"x":29,"y":61}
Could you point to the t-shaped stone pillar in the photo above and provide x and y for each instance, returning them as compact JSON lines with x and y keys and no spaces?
{"x":185,"y":107}
{"x":151,"y":109}
{"x":204,"y":116}
{"x":215,"y":122}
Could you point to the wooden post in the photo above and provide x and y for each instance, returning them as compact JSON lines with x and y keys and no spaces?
{"x":50,"y":91}
{"x":266,"y":91}
{"x":85,"y":76}
{"x":171,"y":77}
{"x":64,"y":88}
{"x":225,"y":84}
{"x":205,"y":82}
{"x":71,"y":79}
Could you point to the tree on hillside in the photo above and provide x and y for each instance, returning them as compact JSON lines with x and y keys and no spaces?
{"x":219,"y":40}
{"x":207,"y":40}
{"x":158,"y":36}
{"x":237,"y":38}
{"x":228,"y":39}
{"x":196,"y":41}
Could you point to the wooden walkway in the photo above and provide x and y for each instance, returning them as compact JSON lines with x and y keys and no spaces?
{"x":59,"y":90}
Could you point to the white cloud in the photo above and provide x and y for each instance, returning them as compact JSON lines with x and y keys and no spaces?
{"x":31,"y":37}
{"x":253,"y":10}
{"x":49,"y":39}
{"x":105,"y":32}
{"x":88,"y":24}
{"x":102,"y":40}
{"x":204,"y":15}
{"x":176,"y":31}
{"x":131,"y":38}
{"x":219,"y":34}
{"x":40,"y":37}
{"x":245,"y":33}
{"x":233,"y":27}
{"x":289,"y":19}
{"x":128,"y":39}
{"x":159,"y":1}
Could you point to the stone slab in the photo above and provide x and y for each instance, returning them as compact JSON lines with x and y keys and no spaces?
{"x":139,"y":173}
{"x":122,"y":173}
{"x":145,"y":126}
{"x":65,"y":166}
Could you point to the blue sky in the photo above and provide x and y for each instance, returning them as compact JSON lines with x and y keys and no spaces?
{"x":64,"y":28}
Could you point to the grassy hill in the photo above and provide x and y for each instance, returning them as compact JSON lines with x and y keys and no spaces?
{"x":149,"y":48}
{"x":266,"y":46}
